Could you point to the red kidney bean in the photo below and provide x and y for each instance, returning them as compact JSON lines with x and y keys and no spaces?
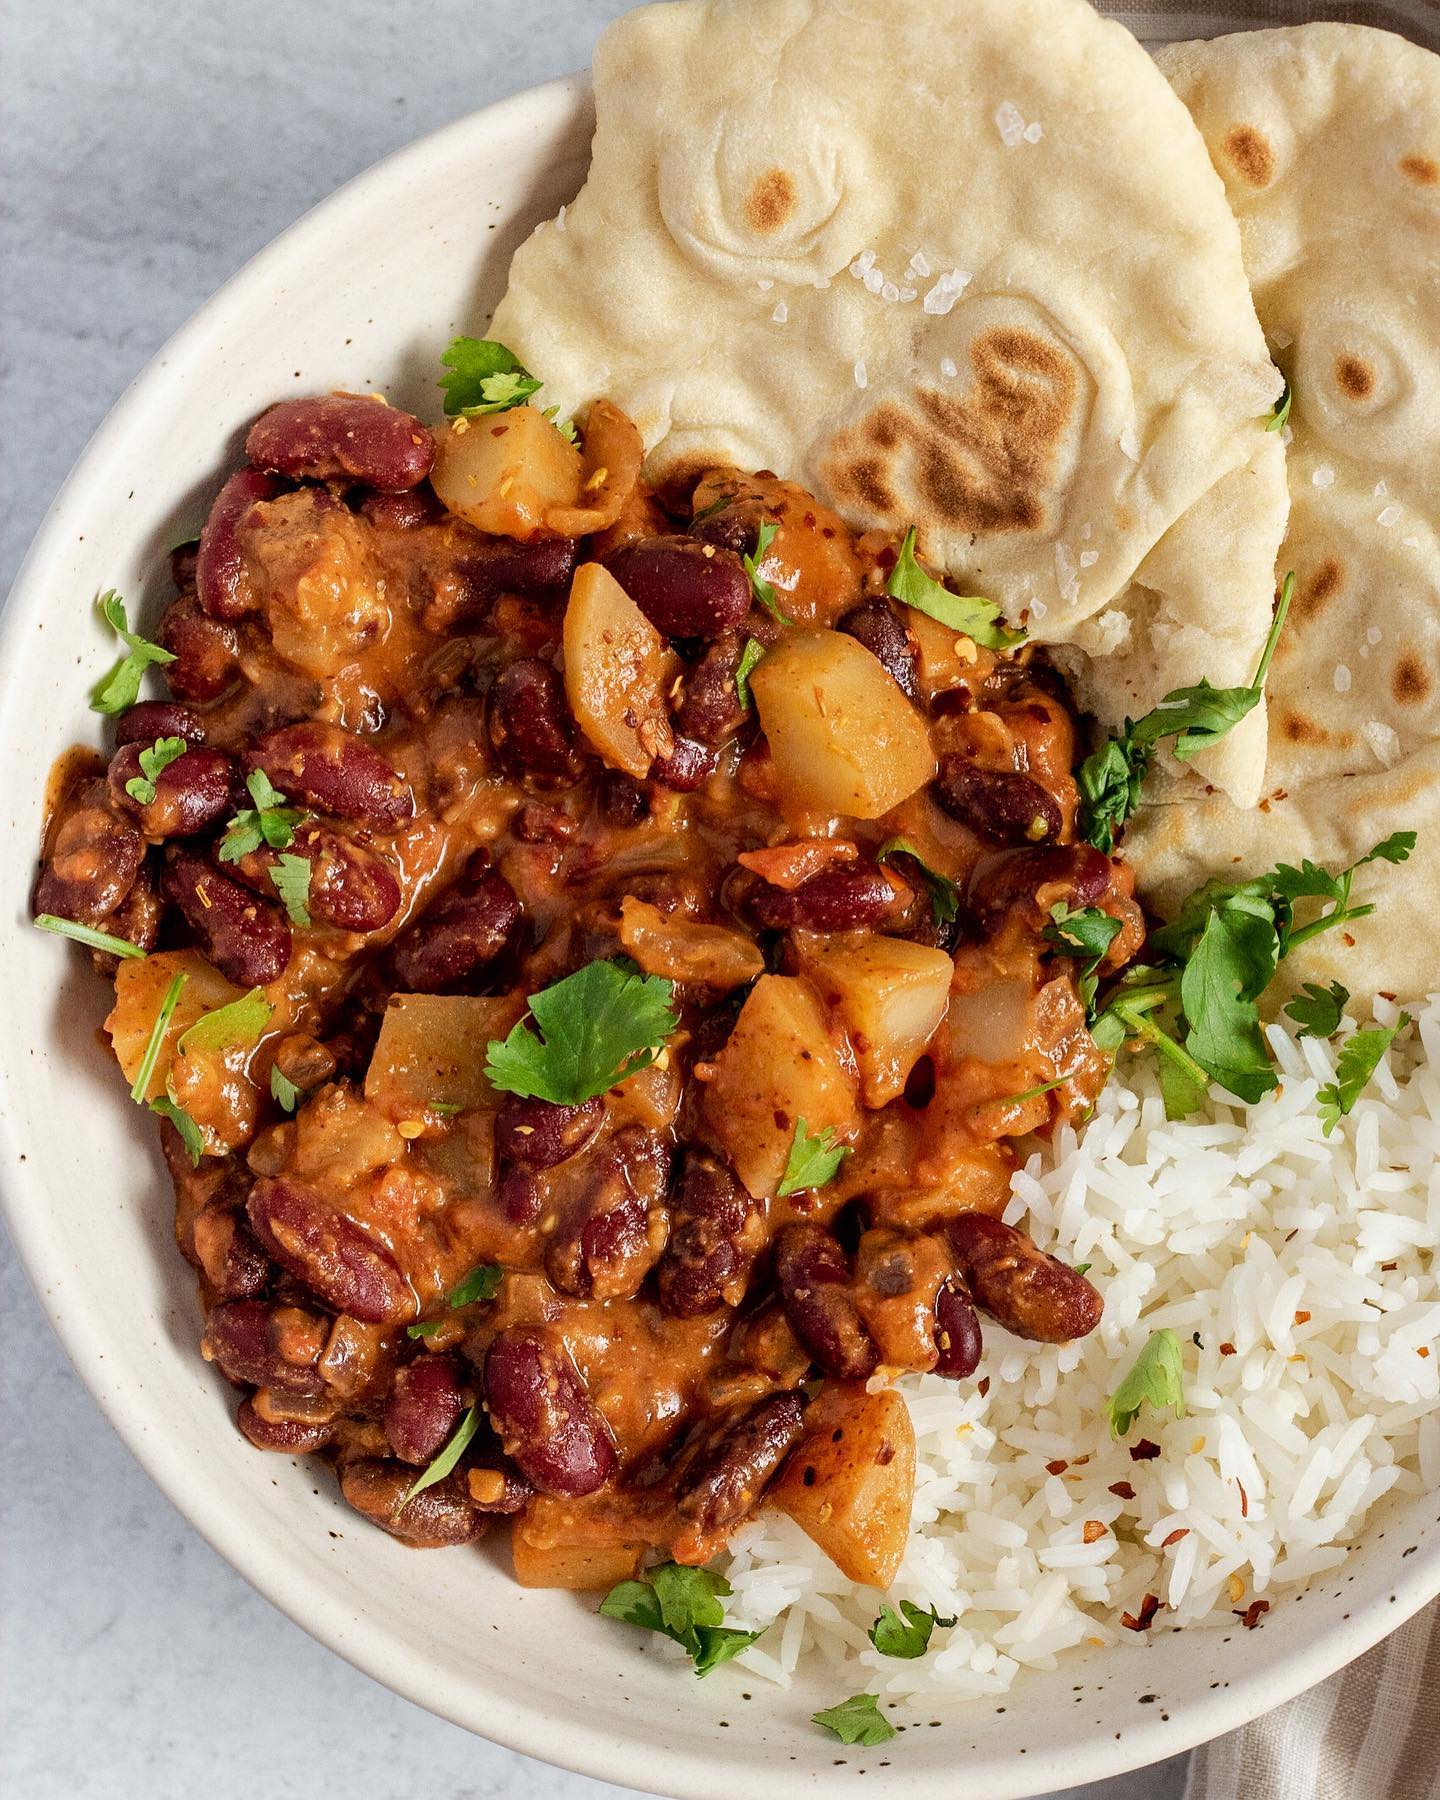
{"x":191,"y":793}
{"x":622,"y":804}
{"x":1000,"y":805}
{"x":461,"y":934}
{"x":1075,"y":873}
{"x":1031,"y":1294}
{"x":342,"y":437}
{"x":151,"y":719}
{"x":717,"y":1231}
{"x":736,"y":1459}
{"x":813,"y":1276}
{"x":958,"y":1339}
{"x":731,"y":528}
{"x":710,"y":709}
{"x":222,"y":580}
{"x":94,"y":859}
{"x":248,"y":941}
{"x":206,"y":651}
{"x":292,"y":1437}
{"x":889,"y":641}
{"x":400,"y":512}
{"x":438,"y":1516}
{"x":688,"y":766}
{"x":684,"y":588}
{"x":491,"y":566}
{"x":529,"y":723}
{"x":423,"y":1408}
{"x":138,"y":917}
{"x":227,"y":1251}
{"x":334,"y":771}
{"x":182,"y":564}
{"x":847,"y":898}
{"x":261,"y":1345}
{"x":607,"y":1240}
{"x":537,"y":1134}
{"x":542,"y":1414}
{"x":520,"y":1197}
{"x":330,"y":1253}
{"x":350,"y":888}
{"x":496,"y":1485}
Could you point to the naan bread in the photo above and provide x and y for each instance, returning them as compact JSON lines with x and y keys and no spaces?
{"x":1328,"y":138}
{"x":962,"y":264}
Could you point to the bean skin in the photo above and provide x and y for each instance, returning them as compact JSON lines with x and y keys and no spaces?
{"x":248,"y":1341}
{"x":400,"y":512}
{"x":222,"y":580}
{"x":329,"y":1252}
{"x":687,"y":767}
{"x":423,"y":1408}
{"x":612,"y":1228}
{"x":529,"y":723}
{"x":438,"y":1516}
{"x":1031,"y":1294}
{"x":152,"y":719}
{"x":848,"y":898}
{"x":542,"y":1414}
{"x":621,"y":803}
{"x":461,"y":934}
{"x":1000,"y":805}
{"x":813,"y":1276}
{"x":876,"y":627}
{"x":291,"y":1437}
{"x":248,"y":941}
{"x":206,"y":651}
{"x":958,"y":1339}
{"x":334,"y":771}
{"x":710,"y":709}
{"x":228,"y":1251}
{"x":492,"y":566}
{"x":342,"y":437}
{"x":538,"y":1134}
{"x":191,"y":794}
{"x":94,"y":859}
{"x":496,"y":1485}
{"x":684,"y":588}
{"x":1015,"y":879}
{"x":717,"y":1231}
{"x":350,"y":888}
{"x":737,"y":1459}
{"x":182,"y":564}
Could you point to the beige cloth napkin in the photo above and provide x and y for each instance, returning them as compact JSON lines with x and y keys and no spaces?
{"x":1372,"y":1732}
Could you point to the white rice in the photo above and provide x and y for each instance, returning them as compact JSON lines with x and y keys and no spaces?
{"x":1233,"y":1226}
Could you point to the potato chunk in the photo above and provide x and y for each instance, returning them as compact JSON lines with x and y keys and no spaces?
{"x":842,"y":736}
{"x":431,"y":1052}
{"x":850,"y":1480}
{"x":617,"y":673}
{"x":780,"y":1064}
{"x":502,"y":472}
{"x":890,"y":995}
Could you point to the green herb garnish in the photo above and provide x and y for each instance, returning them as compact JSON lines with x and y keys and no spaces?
{"x":1280,"y":412}
{"x":980,"y":620}
{"x":596,"y":1027}
{"x":754,"y":650}
{"x":683,"y":1605}
{"x":270,"y":821}
{"x":168,"y":1107}
{"x":1358,"y":1060}
{"x":448,"y":1457}
{"x":290,"y":877}
{"x":484,"y":377}
{"x":906,"y":1637}
{"x":284,"y":1089}
{"x":164,"y":751}
{"x":121,"y":687}
{"x":566,"y":427}
{"x":762,"y":590}
{"x":87,"y":935}
{"x":857,"y":1720}
{"x":1157,"y":1379}
{"x":482,"y":1283}
{"x":1087,"y":936}
{"x":157,"y":1037}
{"x":944,"y":895}
{"x":1317,"y":1010}
{"x":241,"y":1022}
{"x":812,"y":1162}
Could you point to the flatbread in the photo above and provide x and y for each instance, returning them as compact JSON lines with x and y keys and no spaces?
{"x":1328,"y":137}
{"x":962,"y":264}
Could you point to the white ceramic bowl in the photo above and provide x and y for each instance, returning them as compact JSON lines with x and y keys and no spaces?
{"x":364,"y":293}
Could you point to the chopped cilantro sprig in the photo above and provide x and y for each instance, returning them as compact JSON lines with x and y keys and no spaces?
{"x":763,"y":590}
{"x":980,"y":620}
{"x":1357,"y":1062}
{"x":485,"y":377}
{"x":907,"y":1636}
{"x":944,"y":895}
{"x":120,"y":689}
{"x":87,"y":935}
{"x":683,"y":1605}
{"x":153,"y":762}
{"x":813,"y":1162}
{"x":595,"y":1028}
{"x":857,"y":1720}
{"x":1157,"y":1379}
{"x":270,"y":821}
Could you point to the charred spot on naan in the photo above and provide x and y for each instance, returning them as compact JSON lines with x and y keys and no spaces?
{"x":771,"y":201}
{"x":1315,"y":592}
{"x":1424,"y":171}
{"x":1299,"y":728}
{"x":1250,"y":155}
{"x":1354,"y":376}
{"x":1410,"y":681}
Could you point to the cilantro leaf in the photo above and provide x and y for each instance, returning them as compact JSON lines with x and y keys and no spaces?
{"x":241,"y":1022}
{"x":596,"y":1027}
{"x":270,"y":821}
{"x":482,"y":1283}
{"x":158,"y":757}
{"x":682,"y":1604}
{"x":763,"y":591}
{"x":1224,"y":1034}
{"x":1318,"y":1010}
{"x":118,"y":690}
{"x":812,"y":1162}
{"x":908,"y":1637}
{"x":1110,"y":780}
{"x":151,"y":1054}
{"x":857,"y":1720}
{"x":191,"y":1136}
{"x":566,"y":427}
{"x":1357,"y":1062}
{"x":1032,"y":1093}
{"x":484,"y":377}
{"x":290,"y":877}
{"x":448,"y":1457}
{"x":1158,"y":1377}
{"x":1280,"y":412}
{"x":975,"y":618}
{"x":426,"y":1328}
{"x":1086,"y":935}
{"x":754,"y":650}
{"x":87,"y":935}
{"x":283,"y":1088}
{"x":944,"y":895}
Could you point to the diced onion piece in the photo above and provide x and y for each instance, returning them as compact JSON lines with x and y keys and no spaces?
{"x":682,"y":949}
{"x":890,"y":995}
{"x":503,"y":472}
{"x":610,"y":467}
{"x":850,"y":1480}
{"x":780,"y":1064}
{"x":431,"y":1052}
{"x":617,"y":673}
{"x":843,"y":738}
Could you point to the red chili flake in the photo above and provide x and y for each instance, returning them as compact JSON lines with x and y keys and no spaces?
{"x":1175,"y":1536}
{"x":983,"y":1384}
{"x":1250,"y":1618}
{"x":1149,"y":1606}
{"x":1227,"y":1349}
{"x":1244,"y":1500}
{"x":1123,"y":1489}
{"x":1093,"y":1531}
{"x":1389,"y":1267}
{"x":1056,"y":1468}
{"x":1144,"y":1451}
{"x":1302,"y":1318}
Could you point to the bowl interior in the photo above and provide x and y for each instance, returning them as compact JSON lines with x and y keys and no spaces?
{"x":364,"y":293}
